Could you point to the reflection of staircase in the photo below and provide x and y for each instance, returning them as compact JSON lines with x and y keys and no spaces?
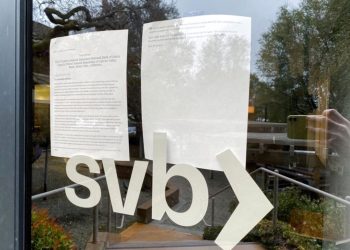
{"x":184,"y":245}
{"x":154,"y":233}
{"x":144,"y":210}
{"x":142,"y":236}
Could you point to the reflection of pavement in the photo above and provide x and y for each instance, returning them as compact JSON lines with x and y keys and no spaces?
{"x":75,"y":220}
{"x":78,"y":221}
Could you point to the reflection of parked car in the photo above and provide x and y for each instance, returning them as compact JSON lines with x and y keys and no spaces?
{"x":135,"y":137}
{"x":132,"y":125}
{"x":133,"y":129}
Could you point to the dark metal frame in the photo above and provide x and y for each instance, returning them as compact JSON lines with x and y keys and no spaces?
{"x":15,"y":123}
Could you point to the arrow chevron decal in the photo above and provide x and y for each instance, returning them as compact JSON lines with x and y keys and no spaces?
{"x":253,"y":204}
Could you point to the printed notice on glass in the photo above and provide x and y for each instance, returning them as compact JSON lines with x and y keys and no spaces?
{"x":195,"y":87}
{"x":88,"y":95}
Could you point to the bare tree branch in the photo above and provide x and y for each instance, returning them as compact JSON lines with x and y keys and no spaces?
{"x":64,"y":17}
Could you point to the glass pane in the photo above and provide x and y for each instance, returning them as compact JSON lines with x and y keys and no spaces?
{"x":296,"y":126}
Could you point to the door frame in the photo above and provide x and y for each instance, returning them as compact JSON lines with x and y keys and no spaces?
{"x":15,"y":123}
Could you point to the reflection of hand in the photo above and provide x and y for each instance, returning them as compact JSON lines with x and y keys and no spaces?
{"x":336,"y":129}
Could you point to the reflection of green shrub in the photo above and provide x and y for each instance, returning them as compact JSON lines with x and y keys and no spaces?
{"x":47,"y":234}
{"x":292,"y":198}
{"x":210,"y":233}
{"x":317,"y":216}
{"x":313,"y":219}
{"x":283,"y":237}
{"x":334,"y":217}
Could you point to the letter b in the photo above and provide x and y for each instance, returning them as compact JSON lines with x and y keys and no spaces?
{"x":199,"y":186}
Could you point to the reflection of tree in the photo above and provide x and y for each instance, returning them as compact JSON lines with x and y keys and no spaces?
{"x":223,"y":60}
{"x":76,"y":15}
{"x":170,"y":67}
{"x":199,"y":68}
{"x":260,"y":96}
{"x":226,"y":54}
{"x":305,"y":58}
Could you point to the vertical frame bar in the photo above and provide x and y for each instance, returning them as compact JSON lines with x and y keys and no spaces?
{"x":275,"y":201}
{"x":15,"y":107}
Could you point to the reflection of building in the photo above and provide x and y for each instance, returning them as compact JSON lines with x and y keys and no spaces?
{"x":41,"y":80}
{"x":41,"y":105}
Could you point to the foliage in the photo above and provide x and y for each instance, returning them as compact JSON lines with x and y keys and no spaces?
{"x":305,"y":59}
{"x":292,"y":198}
{"x":317,"y":218}
{"x":260,"y":94}
{"x":69,"y":15}
{"x":47,"y":234}
{"x":333,"y":220}
{"x":321,"y":216}
{"x":280,"y":238}
{"x":210,"y":233}
{"x":283,"y":237}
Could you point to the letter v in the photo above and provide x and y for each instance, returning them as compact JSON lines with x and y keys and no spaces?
{"x":137,"y":177}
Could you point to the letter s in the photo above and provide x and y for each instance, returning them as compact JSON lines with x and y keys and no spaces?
{"x":92,"y":185}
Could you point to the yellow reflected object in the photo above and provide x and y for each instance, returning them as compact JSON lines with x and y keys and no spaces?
{"x":251,"y":109}
{"x":42,"y":93}
{"x":41,"y":100}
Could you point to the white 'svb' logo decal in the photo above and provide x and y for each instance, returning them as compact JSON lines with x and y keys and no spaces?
{"x":252,"y":207}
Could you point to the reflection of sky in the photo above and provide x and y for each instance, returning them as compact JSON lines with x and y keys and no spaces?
{"x":262,"y":12}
